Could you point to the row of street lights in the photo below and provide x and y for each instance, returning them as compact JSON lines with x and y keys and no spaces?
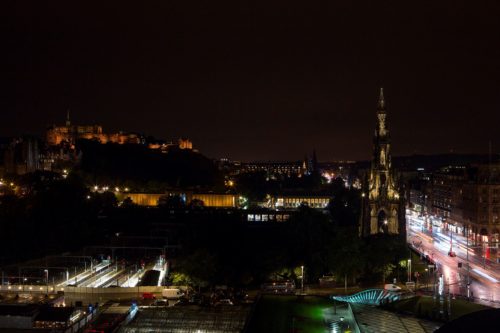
{"x":106,"y":188}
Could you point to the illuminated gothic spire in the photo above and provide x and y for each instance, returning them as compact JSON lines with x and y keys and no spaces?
{"x":381,"y":100}
{"x":68,"y":122}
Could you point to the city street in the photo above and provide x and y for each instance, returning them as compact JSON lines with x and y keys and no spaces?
{"x":432,"y":242}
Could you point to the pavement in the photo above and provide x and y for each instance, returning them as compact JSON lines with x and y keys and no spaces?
{"x":340,"y":318}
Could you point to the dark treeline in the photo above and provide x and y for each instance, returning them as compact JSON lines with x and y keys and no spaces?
{"x":256,"y":185}
{"x":217,"y":246}
{"x":54,"y":215}
{"x":220,"y":247}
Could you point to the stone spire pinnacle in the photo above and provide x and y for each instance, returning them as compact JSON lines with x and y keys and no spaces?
{"x":68,"y":122}
{"x":381,"y":100}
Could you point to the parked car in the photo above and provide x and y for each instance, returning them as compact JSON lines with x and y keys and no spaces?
{"x":278,"y":287}
{"x":195,"y":299}
{"x":205,"y":301}
{"x":148,"y":296}
{"x":172,"y":293}
{"x":392,"y":287}
{"x":160,"y":302}
{"x":182,"y":301}
{"x":224,"y":301}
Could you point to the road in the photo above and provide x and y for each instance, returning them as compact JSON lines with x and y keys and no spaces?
{"x":484,"y":274}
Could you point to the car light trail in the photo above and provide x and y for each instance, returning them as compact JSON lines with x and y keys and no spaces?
{"x":485,"y":275}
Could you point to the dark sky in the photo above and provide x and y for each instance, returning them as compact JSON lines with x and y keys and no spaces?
{"x":258,"y":80}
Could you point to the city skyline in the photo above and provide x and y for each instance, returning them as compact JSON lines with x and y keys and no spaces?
{"x":213,"y":166}
{"x":252,"y":83}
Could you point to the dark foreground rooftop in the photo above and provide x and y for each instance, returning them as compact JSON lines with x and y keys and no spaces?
{"x":480,"y":321}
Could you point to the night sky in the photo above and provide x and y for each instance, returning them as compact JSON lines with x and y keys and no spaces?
{"x":258,"y":80}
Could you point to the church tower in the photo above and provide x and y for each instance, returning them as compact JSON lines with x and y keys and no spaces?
{"x":383,"y":206}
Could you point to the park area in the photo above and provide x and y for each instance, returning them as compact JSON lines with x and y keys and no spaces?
{"x":309,"y":314}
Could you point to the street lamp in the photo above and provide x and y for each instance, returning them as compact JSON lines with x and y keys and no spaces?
{"x":409,"y":270}
{"x":468,"y":266}
{"x":47,"y":279}
{"x":302,"y":280}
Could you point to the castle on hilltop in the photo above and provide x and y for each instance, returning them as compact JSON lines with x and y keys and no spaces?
{"x":69,"y":134}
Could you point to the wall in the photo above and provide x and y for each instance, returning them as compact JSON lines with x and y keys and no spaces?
{"x":27,"y":289}
{"x":209,"y":199}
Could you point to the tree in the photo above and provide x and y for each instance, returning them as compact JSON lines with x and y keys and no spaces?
{"x":196,"y":204}
{"x":59,"y":207}
{"x":346,"y":257}
{"x":171,"y":202}
{"x":345,"y":206}
{"x":383,"y":253}
{"x":309,"y":235}
{"x":252,"y":185}
{"x":128,"y":203}
{"x":199,"y":267}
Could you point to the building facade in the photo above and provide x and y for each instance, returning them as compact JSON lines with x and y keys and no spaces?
{"x":481,"y":204}
{"x":215,"y":200}
{"x":295,"y":201}
{"x":461,"y":199}
{"x":446,"y":196}
{"x":383,"y":206}
{"x":276,"y":169}
{"x":20,"y":155}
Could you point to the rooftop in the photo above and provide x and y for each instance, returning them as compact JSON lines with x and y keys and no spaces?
{"x":55,"y":314}
{"x":22,"y":310}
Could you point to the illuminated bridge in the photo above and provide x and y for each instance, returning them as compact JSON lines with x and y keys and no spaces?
{"x":370,"y":296}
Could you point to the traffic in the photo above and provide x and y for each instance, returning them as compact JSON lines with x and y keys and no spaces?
{"x":466,"y":271}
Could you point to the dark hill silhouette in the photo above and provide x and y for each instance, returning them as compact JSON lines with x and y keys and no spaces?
{"x":115,"y":163}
